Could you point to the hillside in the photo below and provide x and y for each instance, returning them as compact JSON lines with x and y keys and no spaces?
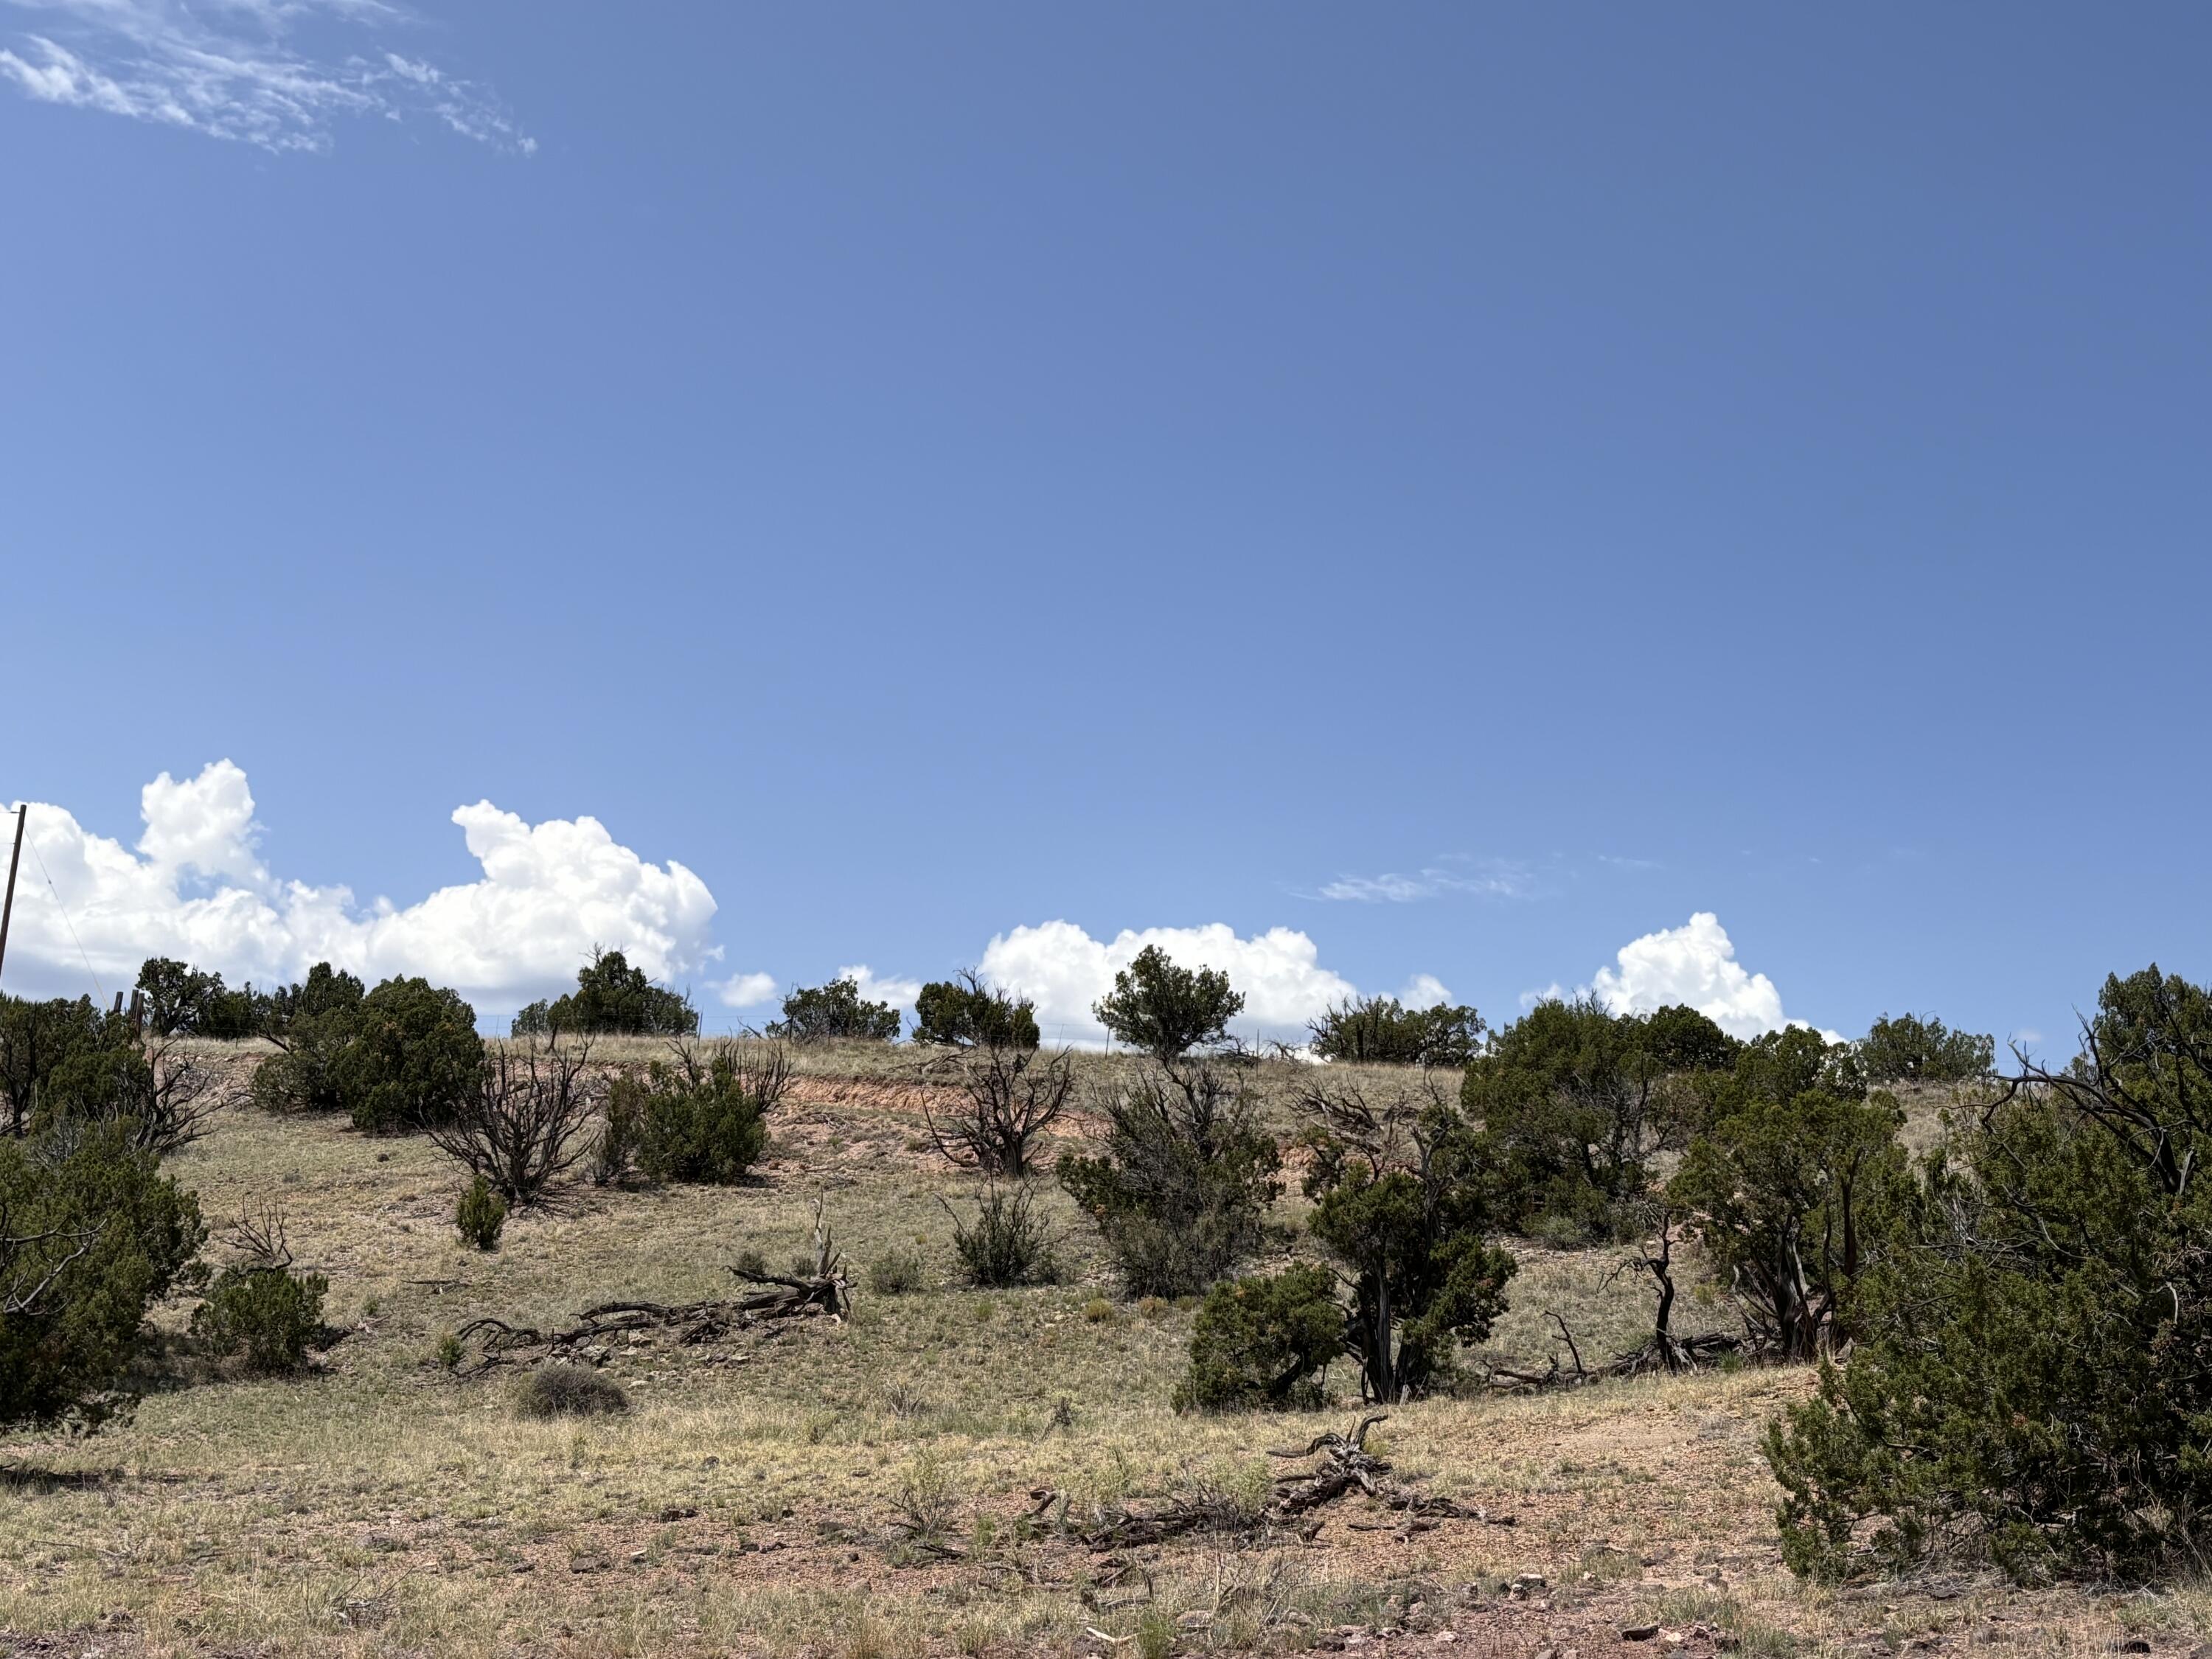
{"x":752,"y":1499}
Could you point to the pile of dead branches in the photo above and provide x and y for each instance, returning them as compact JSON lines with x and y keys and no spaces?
{"x":1345,"y":1466}
{"x":1663,"y":1351}
{"x":826,"y":1292}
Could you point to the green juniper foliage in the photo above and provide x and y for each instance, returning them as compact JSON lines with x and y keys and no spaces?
{"x":312,"y":1025}
{"x":1783,"y":1065}
{"x":1911,"y":1049}
{"x":820,"y":1012}
{"x":1378,"y":1028}
{"x":1260,"y":1343}
{"x":964,"y":1013}
{"x":480,"y":1215}
{"x":1180,"y":1185}
{"x":258,"y":1306}
{"x":1167,"y":1010}
{"x":1575,"y":1102}
{"x":413,"y":1056}
{"x":2031,"y":1381}
{"x":1789,"y":1199}
{"x":614,"y":999}
{"x":162,"y":1099}
{"x":1401,"y":1200}
{"x":181,"y":1001}
{"x":92,"y":1235}
{"x":700,"y":1115}
{"x":400,"y":1057}
{"x":269,"y":1314}
{"x":36,"y":1038}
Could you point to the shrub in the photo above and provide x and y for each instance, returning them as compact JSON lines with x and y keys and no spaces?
{"x":413,"y":1057}
{"x":268,"y":1314}
{"x":1911,"y":1049}
{"x":966,"y":1013}
{"x":521,"y":1129}
{"x":35,"y":1039}
{"x":568,"y":1391}
{"x":1574,"y":1102}
{"x":1181,"y":1189}
{"x":180,"y":1000}
{"x":1258,"y":1343}
{"x":1168,"y":1010}
{"x":326,"y":991}
{"x":1401,"y":1201}
{"x":1378,"y":1028}
{"x":614,"y":1153}
{"x":312,"y":1025}
{"x":481,"y":1216}
{"x":92,"y":1235}
{"x":703,"y":1115}
{"x":896,"y":1273}
{"x":162,"y":1099}
{"x":614,"y":999}
{"x":820,"y":1012}
{"x":1787,"y":1199}
{"x":2034,"y":1369}
{"x":258,"y":1306}
{"x":1006,"y":1098}
{"x":1009,"y":1242}
{"x":1783,"y":1065}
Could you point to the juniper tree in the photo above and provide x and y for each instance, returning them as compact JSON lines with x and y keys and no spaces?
{"x":1167,"y":1010}
{"x":2033,"y":1372}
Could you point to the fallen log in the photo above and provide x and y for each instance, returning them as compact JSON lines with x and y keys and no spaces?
{"x":1345,"y":1466}
{"x":827,"y":1293}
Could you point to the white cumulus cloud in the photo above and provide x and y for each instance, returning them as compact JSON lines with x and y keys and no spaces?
{"x":877,"y":987}
{"x":195,"y":888}
{"x":1693,"y":964}
{"x":747,"y":990}
{"x":273,"y":73}
{"x":1424,"y":991}
{"x":1065,"y":971}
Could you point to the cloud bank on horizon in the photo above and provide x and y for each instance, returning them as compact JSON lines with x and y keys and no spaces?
{"x":1694,"y":966}
{"x":195,"y":887}
{"x":238,"y":69}
{"x":1065,"y":970}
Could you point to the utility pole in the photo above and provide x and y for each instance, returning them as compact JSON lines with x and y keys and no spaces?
{"x":8,"y":905}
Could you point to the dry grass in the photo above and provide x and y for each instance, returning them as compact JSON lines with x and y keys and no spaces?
{"x":752,"y":1499}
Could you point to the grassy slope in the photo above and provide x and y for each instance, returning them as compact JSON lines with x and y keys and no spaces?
{"x":384,"y":1507}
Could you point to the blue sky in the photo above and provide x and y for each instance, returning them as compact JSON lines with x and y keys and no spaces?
{"x":930,"y":472}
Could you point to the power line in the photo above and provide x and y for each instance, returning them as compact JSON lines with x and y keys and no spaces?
{"x":71,"y":926}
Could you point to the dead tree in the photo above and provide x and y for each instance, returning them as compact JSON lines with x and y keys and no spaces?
{"x":260,"y":1241}
{"x":1345,"y":1466}
{"x":826,"y":1293}
{"x":1006,"y":1096}
{"x":32,"y":1264}
{"x":827,"y":1289}
{"x":165,"y":1096}
{"x":522,"y":1128}
{"x":1664,"y":1350}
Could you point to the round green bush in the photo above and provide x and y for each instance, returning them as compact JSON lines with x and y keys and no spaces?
{"x":1258,"y":1343}
{"x":268,"y":1314}
{"x":568,"y":1391}
{"x":481,"y":1214}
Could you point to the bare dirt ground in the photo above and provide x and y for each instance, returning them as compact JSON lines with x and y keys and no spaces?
{"x":761,"y":1496}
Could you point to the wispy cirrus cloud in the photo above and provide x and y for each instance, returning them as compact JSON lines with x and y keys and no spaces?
{"x":1393,"y":887}
{"x":278,"y":74}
